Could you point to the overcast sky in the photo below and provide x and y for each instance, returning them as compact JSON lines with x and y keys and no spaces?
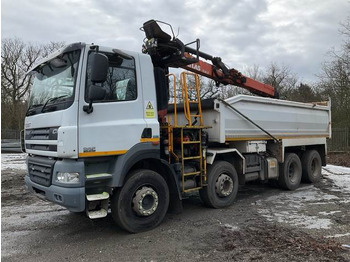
{"x":297,"y":33}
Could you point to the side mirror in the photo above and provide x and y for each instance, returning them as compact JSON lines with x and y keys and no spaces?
{"x":99,"y":67}
{"x":96,"y":93}
{"x":99,"y":70}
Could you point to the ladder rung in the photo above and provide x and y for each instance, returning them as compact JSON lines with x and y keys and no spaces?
{"x":191,"y":189}
{"x":197,"y":115}
{"x":191,"y":157}
{"x":194,"y":102}
{"x":191,"y":127}
{"x":191,"y":142}
{"x":192,"y":173}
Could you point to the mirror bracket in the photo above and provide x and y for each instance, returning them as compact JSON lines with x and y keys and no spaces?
{"x":88,"y":109}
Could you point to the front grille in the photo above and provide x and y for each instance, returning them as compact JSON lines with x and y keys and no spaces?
{"x":40,"y":170}
{"x":38,"y":134}
{"x":49,"y":133}
{"x":41,"y":147}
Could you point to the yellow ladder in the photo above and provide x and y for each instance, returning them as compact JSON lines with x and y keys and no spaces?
{"x":191,"y":95}
{"x":196,"y":156}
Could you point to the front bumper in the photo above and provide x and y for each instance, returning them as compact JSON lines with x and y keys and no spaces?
{"x":73,"y":198}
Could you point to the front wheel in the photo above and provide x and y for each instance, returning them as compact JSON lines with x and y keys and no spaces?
{"x":142,"y":202}
{"x":222,"y":187}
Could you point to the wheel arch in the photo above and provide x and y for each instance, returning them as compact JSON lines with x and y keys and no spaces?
{"x":301,"y":150}
{"x":298,"y":146}
{"x":149,"y":158}
{"x":232,"y":156}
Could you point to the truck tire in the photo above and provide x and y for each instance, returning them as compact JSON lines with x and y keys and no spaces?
{"x":142,"y":202}
{"x":222,"y":187}
{"x":312,"y":166}
{"x":290,"y":172}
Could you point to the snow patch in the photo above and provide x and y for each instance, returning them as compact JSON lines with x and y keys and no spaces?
{"x":329,"y":213}
{"x":296,"y":219}
{"x":340,"y":176}
{"x":290,"y":207}
{"x":293,"y":207}
{"x":13,"y":161}
{"x":231,"y":227}
{"x":338,"y":235}
{"x":339,"y":170}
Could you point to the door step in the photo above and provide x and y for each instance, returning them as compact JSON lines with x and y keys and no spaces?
{"x":97,"y":213}
{"x":96,"y":201}
{"x":101,"y":176}
{"x":97,"y":197}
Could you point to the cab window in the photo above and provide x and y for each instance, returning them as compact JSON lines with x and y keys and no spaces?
{"x":121,"y":79}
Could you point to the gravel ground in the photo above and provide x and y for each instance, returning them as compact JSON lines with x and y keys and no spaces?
{"x":265,"y":224}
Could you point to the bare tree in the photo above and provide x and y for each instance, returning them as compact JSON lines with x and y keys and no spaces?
{"x":281,"y":78}
{"x":255,"y":72}
{"x":305,"y":93}
{"x":335,"y":79}
{"x":17,"y":57}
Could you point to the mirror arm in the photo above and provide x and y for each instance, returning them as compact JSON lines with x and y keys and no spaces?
{"x":88,"y":109}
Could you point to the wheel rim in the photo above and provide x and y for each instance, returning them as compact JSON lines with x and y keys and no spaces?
{"x":293,"y":173}
{"x":224,"y":185}
{"x":315,"y":167}
{"x":145,"y":201}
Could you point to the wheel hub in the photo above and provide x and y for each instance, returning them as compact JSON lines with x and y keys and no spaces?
{"x":292,"y":173}
{"x":224,"y":185}
{"x":145,"y":201}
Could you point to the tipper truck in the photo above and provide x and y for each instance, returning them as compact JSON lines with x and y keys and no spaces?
{"x":109,"y":129}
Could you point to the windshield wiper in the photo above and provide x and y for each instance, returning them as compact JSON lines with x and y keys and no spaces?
{"x":30,"y":111}
{"x":52,"y":99}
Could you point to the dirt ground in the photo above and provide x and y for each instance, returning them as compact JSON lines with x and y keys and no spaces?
{"x":265,"y":224}
{"x":339,"y":159}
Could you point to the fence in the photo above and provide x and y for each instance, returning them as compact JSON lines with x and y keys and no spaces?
{"x":10,"y":134}
{"x":339,"y":141}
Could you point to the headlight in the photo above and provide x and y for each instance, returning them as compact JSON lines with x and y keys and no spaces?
{"x":67,"y":177}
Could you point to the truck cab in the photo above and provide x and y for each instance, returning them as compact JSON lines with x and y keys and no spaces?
{"x":73,"y":153}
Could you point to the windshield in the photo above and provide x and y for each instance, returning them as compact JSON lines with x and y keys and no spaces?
{"x":53,"y":85}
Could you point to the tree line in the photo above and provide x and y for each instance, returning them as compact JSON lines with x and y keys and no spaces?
{"x":17,"y":57}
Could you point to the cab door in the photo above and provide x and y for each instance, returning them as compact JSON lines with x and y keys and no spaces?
{"x":117,"y":121}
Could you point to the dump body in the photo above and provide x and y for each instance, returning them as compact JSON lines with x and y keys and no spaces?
{"x":281,"y":118}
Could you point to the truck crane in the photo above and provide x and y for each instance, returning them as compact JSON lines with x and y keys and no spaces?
{"x":103,"y":134}
{"x":167,"y":51}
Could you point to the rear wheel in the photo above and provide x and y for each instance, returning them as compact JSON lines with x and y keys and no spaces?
{"x":142,"y":202}
{"x":290,"y":172}
{"x":312,"y":166}
{"x":222,"y":185}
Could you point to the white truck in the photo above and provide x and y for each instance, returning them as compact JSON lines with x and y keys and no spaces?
{"x":100,"y":135}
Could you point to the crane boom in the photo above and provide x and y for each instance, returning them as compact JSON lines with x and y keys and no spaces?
{"x":233,"y":77}
{"x":167,"y":51}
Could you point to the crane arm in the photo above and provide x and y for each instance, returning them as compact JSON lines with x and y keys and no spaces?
{"x":167,"y":51}
{"x":230,"y":77}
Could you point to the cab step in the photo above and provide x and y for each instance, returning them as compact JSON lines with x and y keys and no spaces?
{"x":97,"y":197}
{"x":97,"y":213}
{"x":97,"y":205}
{"x":101,"y":176}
